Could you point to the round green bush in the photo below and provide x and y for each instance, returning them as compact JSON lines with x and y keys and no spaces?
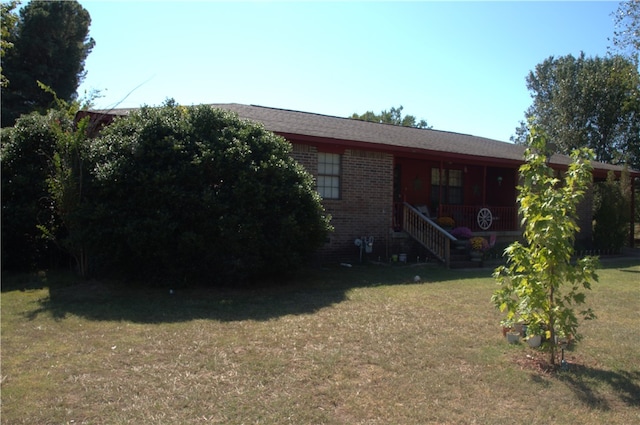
{"x":196,"y":193}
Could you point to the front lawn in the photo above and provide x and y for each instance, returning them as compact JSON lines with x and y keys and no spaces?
{"x":360,"y":345}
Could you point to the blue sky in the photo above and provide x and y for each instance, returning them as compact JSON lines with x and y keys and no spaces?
{"x":459,"y":65}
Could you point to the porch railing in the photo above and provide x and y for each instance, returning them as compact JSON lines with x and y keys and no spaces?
{"x":502,"y":218}
{"x":424,"y":230}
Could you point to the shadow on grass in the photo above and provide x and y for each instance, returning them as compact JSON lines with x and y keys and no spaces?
{"x":308,"y":292}
{"x":621,"y":263}
{"x":585,"y":382}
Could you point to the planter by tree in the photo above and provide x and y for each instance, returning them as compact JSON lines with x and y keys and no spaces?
{"x":540,"y":285}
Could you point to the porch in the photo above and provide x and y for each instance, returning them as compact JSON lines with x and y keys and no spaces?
{"x":491,"y":223}
{"x":489,"y":218}
{"x":480,"y":197}
{"x":476,"y":218}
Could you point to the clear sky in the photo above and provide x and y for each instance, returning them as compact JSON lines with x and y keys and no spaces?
{"x":459,"y":65}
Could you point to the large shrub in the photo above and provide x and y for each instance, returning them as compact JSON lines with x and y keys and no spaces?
{"x":195,"y":193}
{"x":611,"y":229}
{"x":27,"y":152}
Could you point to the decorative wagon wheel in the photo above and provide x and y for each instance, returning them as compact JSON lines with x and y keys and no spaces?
{"x":485,"y":218}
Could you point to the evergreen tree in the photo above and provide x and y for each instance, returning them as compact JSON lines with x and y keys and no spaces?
{"x":50,"y":44}
{"x":8,"y":19}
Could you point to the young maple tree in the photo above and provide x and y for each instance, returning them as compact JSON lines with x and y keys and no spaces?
{"x":540,"y":285}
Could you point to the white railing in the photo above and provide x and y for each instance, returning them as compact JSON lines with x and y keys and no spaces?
{"x":424,"y":230}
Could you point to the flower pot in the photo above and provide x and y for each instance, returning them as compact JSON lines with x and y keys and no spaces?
{"x":534,"y":341}
{"x":513,"y":338}
{"x":476,"y":256}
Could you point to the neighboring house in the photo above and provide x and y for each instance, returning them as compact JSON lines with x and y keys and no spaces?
{"x":386,"y":183}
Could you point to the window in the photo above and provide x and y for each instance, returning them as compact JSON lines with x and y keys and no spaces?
{"x":329,"y":175}
{"x":455,"y":187}
{"x":451,"y":186}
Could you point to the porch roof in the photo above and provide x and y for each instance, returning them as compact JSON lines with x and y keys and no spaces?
{"x":356,"y":133}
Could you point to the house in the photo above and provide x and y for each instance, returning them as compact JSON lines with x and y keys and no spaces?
{"x":385,"y":184}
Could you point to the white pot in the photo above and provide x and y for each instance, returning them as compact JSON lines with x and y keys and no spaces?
{"x":513,"y":338}
{"x":534,"y":341}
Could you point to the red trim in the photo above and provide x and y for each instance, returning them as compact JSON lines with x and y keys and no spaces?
{"x":325,"y":144}
{"x":340,"y":145}
{"x":331,"y":149}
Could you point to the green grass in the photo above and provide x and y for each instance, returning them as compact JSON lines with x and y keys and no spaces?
{"x":361,"y":345}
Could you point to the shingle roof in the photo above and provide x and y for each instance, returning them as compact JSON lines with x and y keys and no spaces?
{"x":382,"y":136}
{"x":330,"y":127}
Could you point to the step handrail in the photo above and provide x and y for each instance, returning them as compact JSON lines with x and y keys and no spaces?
{"x":428,"y":233}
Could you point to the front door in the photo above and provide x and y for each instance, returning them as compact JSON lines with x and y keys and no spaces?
{"x":412,"y":181}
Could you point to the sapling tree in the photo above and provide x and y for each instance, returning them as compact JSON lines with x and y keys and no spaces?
{"x":43,"y":185}
{"x":67,"y":180}
{"x":540,"y":285}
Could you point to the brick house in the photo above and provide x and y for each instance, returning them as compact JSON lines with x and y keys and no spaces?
{"x":388,"y":183}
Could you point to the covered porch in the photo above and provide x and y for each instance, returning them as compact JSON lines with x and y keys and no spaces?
{"x":481,"y":197}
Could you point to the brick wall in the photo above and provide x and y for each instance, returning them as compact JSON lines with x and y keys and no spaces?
{"x":365,"y":207}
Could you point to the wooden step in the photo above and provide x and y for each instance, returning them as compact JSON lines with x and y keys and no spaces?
{"x":465,"y":264}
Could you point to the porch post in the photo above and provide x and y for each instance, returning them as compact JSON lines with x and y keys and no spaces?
{"x":440,"y":190}
{"x":484,"y":186}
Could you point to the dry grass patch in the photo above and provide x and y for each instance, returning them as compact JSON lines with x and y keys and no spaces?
{"x":342,"y":346}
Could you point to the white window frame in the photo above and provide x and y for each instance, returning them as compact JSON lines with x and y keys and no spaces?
{"x":329,"y":175}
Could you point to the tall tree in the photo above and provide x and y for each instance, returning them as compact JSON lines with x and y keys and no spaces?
{"x":393,"y":116}
{"x":626,"y":35}
{"x":8,"y":22}
{"x":587,"y":102}
{"x":50,"y":44}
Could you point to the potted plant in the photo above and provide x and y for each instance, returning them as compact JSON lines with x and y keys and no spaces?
{"x":446,"y":222}
{"x":462,"y":233}
{"x":510,"y":332}
{"x":533,"y":334}
{"x":478,"y":246}
{"x":513,"y":337}
{"x":534,"y":341}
